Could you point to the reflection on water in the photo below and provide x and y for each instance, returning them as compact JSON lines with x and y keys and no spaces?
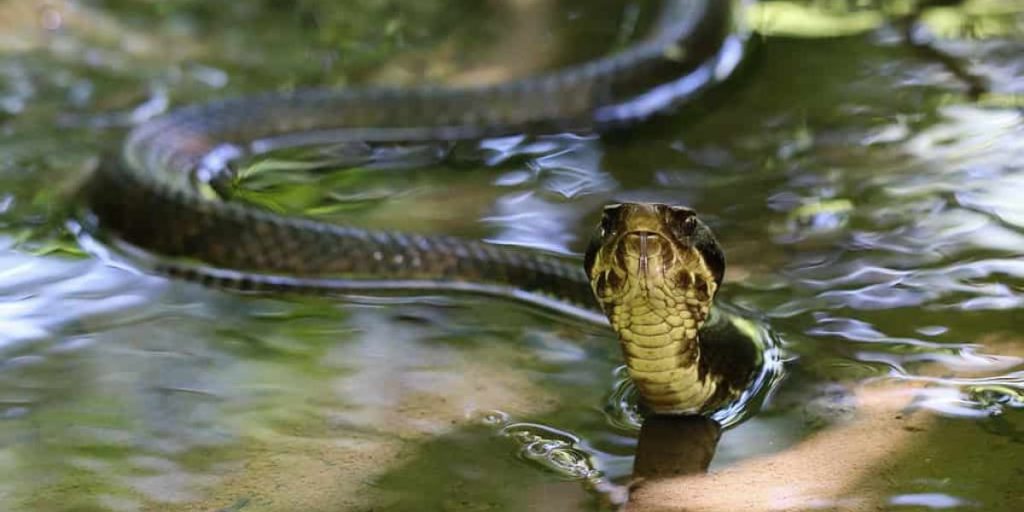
{"x":870,"y":213}
{"x":560,"y":185}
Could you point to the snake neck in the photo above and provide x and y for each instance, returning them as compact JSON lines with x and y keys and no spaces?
{"x":663,"y":356}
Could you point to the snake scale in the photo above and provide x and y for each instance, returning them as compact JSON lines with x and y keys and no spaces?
{"x":150,"y":200}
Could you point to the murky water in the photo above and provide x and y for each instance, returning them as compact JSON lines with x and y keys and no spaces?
{"x":870,"y":211}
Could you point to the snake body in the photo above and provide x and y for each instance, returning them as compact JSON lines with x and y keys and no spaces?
{"x":151,"y":199}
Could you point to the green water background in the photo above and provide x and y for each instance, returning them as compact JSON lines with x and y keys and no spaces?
{"x":870,"y":210}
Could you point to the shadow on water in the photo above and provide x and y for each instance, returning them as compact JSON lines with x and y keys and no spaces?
{"x":870,"y":212}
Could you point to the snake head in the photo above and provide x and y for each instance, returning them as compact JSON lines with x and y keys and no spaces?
{"x":654,"y":252}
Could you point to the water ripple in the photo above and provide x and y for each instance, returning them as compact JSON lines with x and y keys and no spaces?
{"x":553,"y":449}
{"x":562,"y":179}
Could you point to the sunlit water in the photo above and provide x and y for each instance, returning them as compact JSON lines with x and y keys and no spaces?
{"x":871,"y":215}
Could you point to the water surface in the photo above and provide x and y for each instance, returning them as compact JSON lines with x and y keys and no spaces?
{"x":869,"y":209}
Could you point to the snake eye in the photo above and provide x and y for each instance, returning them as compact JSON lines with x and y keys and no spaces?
{"x":607,"y":226}
{"x":609,"y":218}
{"x":685,"y":220}
{"x":689,"y":225}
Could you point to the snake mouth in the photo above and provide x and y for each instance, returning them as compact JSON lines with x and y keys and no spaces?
{"x":651,"y":251}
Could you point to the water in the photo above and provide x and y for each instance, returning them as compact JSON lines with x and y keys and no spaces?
{"x":868,"y":209}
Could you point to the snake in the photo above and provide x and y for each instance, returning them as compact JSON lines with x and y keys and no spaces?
{"x":651,"y":272}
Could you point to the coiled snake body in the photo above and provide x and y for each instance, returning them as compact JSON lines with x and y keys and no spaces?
{"x":150,"y":200}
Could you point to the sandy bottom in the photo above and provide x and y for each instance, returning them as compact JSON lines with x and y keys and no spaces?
{"x":322,"y":468}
